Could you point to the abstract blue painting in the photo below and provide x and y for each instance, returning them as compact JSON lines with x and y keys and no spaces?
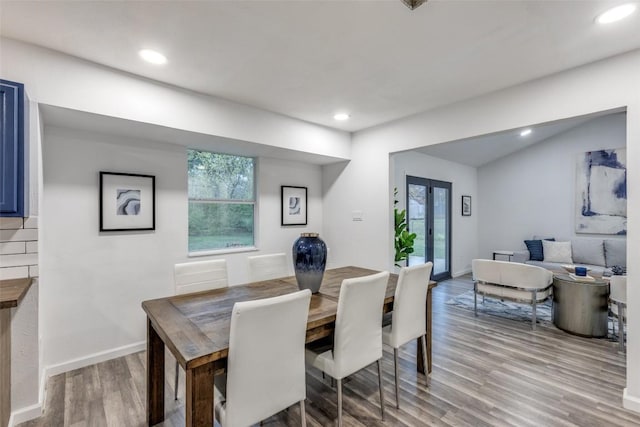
{"x":601,"y":205}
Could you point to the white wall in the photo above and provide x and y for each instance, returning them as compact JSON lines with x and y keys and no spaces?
{"x":366,"y":182}
{"x":94,"y":283}
{"x":464,"y":229}
{"x":272,"y":173}
{"x":533,"y":191}
{"x":59,"y":80}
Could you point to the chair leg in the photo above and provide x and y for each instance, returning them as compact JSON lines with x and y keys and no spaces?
{"x":533,"y":310}
{"x":475,"y":299}
{"x":175,"y":388}
{"x":395,"y":366}
{"x":381,"y":390}
{"x":423,"y":341}
{"x":339,"y":403}
{"x":303,"y":414}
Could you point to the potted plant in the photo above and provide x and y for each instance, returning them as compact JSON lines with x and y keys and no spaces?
{"x":403,"y":239}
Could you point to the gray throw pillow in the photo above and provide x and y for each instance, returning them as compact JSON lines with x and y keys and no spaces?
{"x":588,"y":251}
{"x":615,"y":251}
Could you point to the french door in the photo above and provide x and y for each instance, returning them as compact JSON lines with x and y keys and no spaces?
{"x":429,"y":216}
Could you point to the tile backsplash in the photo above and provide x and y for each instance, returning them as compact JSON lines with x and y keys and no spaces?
{"x":18,"y":247}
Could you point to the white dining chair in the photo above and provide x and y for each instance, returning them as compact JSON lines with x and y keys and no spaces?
{"x":195,"y":277}
{"x":265,"y":371}
{"x":265,"y":267}
{"x":357,"y":340}
{"x":408,"y":319}
{"x":618,"y":300}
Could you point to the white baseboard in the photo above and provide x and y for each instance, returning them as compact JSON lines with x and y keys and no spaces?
{"x":92,"y":359}
{"x":461,"y":273}
{"x":630,"y":402}
{"x":25,"y":414}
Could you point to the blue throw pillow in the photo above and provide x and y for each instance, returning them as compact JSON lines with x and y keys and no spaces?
{"x":535,"y":249}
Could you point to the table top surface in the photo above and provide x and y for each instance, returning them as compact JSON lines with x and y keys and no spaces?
{"x":13,"y":291}
{"x":195,"y":326}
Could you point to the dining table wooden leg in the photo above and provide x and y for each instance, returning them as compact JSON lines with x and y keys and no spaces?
{"x":199,"y":409}
{"x":419,"y":356}
{"x":155,"y":376}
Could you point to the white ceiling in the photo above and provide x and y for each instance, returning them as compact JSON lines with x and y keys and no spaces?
{"x":377,"y":60}
{"x":484,"y":149}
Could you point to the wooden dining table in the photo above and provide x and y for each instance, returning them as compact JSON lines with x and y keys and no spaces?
{"x":195,"y":329}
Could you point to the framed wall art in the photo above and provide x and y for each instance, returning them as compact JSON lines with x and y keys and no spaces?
{"x":294,"y":205}
{"x":601,"y":192}
{"x":466,"y":205}
{"x":127,"y":202}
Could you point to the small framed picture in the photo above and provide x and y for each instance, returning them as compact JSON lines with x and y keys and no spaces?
{"x":294,"y":205}
{"x":466,"y":205}
{"x":127,"y":202}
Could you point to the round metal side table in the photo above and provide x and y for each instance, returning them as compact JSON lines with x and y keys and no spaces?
{"x":581,"y":308}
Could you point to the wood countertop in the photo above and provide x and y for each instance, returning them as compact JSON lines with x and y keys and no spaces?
{"x":13,"y":291}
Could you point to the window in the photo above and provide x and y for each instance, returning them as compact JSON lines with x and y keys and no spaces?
{"x":221,"y":201}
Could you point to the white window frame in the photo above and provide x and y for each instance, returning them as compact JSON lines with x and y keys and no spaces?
{"x":254,"y":202}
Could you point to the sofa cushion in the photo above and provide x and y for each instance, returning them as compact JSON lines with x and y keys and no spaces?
{"x":588,"y":251}
{"x":615,"y":251}
{"x":557,"y":251}
{"x":534,"y":247}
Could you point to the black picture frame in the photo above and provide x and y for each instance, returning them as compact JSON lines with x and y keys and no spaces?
{"x":466,"y":206}
{"x":293,"y":205}
{"x":127,"y":202}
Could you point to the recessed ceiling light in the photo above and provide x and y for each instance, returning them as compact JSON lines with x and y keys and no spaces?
{"x":341,"y":116}
{"x":616,"y":13}
{"x":525,"y":132}
{"x":152,"y":56}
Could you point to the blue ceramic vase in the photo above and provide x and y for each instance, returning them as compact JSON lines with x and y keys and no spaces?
{"x":309,"y":261}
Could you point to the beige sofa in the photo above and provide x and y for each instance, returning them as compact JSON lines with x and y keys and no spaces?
{"x":513,"y":281}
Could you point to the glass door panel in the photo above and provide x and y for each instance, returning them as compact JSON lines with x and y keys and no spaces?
{"x":441,"y":238}
{"x":417,"y":196}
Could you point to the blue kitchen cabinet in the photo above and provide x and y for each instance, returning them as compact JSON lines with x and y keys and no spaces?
{"x":14,"y":178}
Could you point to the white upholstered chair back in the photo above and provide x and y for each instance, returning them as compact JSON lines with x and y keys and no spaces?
{"x":265,"y":370}
{"x":358,"y":330}
{"x":409,"y":304}
{"x":200,"y":276}
{"x":618,"y":289}
{"x":195,"y":277}
{"x":266,"y":267}
{"x":485,"y":271}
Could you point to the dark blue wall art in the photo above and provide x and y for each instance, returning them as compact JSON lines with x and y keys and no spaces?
{"x":601,"y":205}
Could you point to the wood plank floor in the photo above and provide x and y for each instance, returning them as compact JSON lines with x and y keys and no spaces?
{"x":487,"y":371}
